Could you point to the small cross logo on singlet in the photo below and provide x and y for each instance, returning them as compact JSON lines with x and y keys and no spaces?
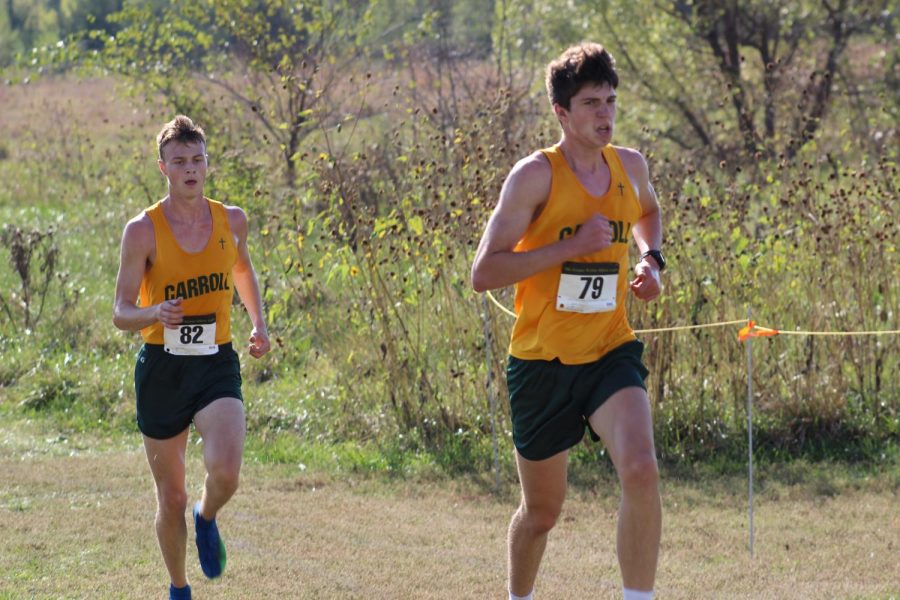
{"x":621,"y":189}
{"x":222,"y":243}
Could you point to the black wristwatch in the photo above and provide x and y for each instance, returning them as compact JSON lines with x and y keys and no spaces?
{"x":657,"y":256}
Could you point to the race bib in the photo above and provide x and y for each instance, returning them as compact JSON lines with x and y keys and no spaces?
{"x":195,"y":336}
{"x":587,"y":287}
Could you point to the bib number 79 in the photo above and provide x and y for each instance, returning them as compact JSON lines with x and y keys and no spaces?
{"x":587,"y":287}
{"x":594,"y":285}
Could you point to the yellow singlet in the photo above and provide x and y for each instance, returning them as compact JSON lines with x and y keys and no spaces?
{"x":546,"y":328}
{"x":202,"y":279}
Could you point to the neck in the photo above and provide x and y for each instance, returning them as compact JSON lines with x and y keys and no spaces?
{"x":186,"y":208}
{"x":582,"y":157}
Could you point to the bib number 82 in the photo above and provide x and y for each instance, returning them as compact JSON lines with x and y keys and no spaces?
{"x":191,"y":334}
{"x":195,"y":336}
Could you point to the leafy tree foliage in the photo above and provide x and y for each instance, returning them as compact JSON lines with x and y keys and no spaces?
{"x":742,"y":78}
{"x":26,"y":24}
{"x":277,"y":62}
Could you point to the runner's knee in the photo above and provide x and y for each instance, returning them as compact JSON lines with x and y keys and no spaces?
{"x":225,"y":474}
{"x":639,"y":472}
{"x":540,"y":519}
{"x":172,"y":500}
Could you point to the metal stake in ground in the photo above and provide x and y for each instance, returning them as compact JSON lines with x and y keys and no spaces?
{"x":749,"y":341}
{"x":492,"y":401}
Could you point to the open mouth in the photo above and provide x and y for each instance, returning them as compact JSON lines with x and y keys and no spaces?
{"x":190,"y":182}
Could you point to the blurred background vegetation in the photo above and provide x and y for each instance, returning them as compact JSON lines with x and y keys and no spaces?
{"x":368,"y":143}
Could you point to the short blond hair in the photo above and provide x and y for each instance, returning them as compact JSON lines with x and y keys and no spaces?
{"x":180,"y":129}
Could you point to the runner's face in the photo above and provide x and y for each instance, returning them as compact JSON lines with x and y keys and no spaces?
{"x":591,"y":116}
{"x":184,"y":165}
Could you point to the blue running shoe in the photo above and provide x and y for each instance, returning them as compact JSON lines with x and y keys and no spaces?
{"x":209,"y":545}
{"x":183,"y":593}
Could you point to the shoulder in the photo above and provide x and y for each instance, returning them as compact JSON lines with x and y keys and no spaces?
{"x":139,"y":232}
{"x":237,"y":219}
{"x":633,"y":161}
{"x":535,"y":166}
{"x":531,"y":177}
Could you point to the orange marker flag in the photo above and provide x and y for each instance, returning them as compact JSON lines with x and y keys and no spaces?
{"x":751,"y":330}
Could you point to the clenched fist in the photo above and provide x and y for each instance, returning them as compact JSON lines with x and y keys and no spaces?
{"x":646,"y":284}
{"x":594,"y":235}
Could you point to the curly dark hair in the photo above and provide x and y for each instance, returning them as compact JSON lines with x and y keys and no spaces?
{"x":578,"y":65}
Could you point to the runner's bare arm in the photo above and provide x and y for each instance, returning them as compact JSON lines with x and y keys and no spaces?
{"x":138,"y":244}
{"x":524,"y":193}
{"x":247,"y":284}
{"x":647,"y":231}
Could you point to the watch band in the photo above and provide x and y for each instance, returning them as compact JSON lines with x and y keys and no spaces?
{"x":657,"y":256}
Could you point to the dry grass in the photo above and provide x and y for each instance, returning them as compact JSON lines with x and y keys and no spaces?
{"x":76,"y":518}
{"x":40,"y":104}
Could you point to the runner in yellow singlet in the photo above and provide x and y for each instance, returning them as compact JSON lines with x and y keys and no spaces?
{"x":561,"y":233}
{"x":184,"y":257}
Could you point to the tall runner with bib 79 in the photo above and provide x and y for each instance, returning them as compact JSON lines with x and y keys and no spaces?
{"x":560,"y":233}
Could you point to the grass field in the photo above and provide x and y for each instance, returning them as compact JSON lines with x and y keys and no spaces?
{"x":76,"y":516}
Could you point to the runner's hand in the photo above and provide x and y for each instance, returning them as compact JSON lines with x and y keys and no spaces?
{"x":594,"y":235}
{"x":646,"y":285}
{"x":259,"y":343}
{"x":170,"y":313}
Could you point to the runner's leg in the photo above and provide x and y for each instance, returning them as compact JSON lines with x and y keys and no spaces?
{"x":543,"y":492}
{"x":625,"y":425}
{"x":222,"y":427}
{"x":166,"y":460}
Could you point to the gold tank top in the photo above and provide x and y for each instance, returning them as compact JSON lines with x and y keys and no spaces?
{"x":546,"y":326}
{"x":202,"y":279}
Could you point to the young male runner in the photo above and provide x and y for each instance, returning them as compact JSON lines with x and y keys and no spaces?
{"x":560,"y":232}
{"x":185,"y":256}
